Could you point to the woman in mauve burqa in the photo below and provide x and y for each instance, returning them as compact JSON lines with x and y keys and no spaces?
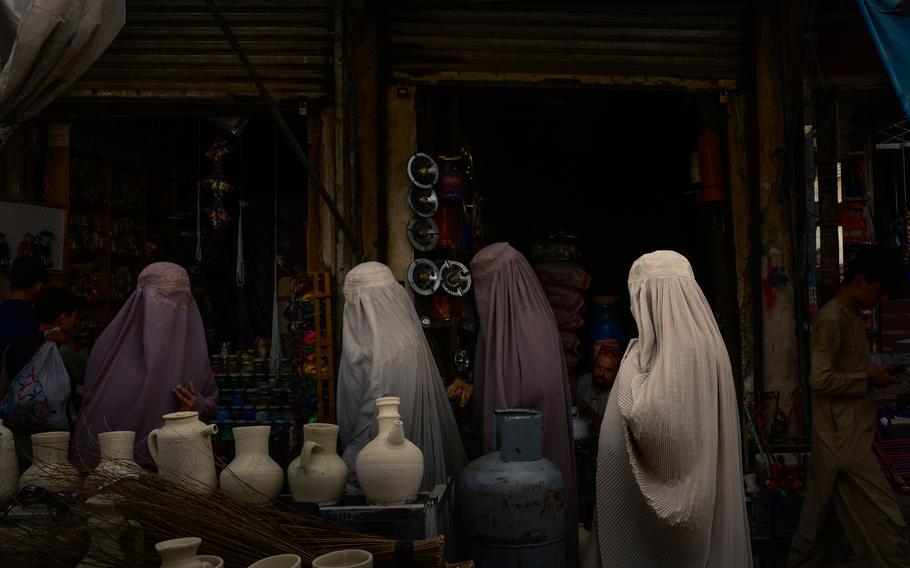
{"x":520,"y":362}
{"x":385,"y":353}
{"x":669,"y":473}
{"x":150,"y":361}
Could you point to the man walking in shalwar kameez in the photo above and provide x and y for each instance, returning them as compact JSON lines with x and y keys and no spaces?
{"x":844,"y":475}
{"x":385,"y":353}
{"x":669,"y":474}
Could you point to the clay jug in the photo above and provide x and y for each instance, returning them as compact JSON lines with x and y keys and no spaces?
{"x":9,"y":465}
{"x":319,"y":474}
{"x":181,"y":553}
{"x":253,"y":476}
{"x":107,"y":526}
{"x":116,"y":454}
{"x":50,"y":468}
{"x":182,"y":449}
{"x":390,"y":468}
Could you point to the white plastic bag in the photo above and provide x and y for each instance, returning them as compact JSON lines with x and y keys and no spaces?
{"x":39,"y":395}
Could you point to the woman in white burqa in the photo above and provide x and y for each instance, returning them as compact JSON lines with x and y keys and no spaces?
{"x":385,"y":353}
{"x":669,"y":476}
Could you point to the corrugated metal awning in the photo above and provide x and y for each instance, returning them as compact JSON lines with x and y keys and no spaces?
{"x":691,"y":45}
{"x":172,"y":50}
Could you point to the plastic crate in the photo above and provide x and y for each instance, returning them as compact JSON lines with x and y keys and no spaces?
{"x":785,"y":518}
{"x":759,"y":508}
{"x":773,"y":515}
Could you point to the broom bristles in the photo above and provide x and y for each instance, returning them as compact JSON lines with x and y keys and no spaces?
{"x":239,"y":533}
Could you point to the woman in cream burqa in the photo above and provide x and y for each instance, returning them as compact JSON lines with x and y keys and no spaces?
{"x":669,"y":475}
{"x":520,"y":362}
{"x":385,"y":353}
{"x":150,"y":361}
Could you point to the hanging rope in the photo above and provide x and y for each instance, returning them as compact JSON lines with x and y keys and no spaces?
{"x":354,"y":240}
{"x":198,"y":193}
{"x":241,"y":268}
{"x":275,"y":353}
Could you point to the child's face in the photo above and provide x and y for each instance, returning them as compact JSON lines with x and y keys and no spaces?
{"x":67,"y":322}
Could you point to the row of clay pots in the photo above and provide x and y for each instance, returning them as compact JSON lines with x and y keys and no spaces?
{"x":183,"y":451}
{"x":390,"y":468}
{"x":181,"y":553}
{"x":107,"y":526}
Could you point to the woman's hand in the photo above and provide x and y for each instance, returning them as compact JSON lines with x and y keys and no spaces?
{"x":189,"y":398}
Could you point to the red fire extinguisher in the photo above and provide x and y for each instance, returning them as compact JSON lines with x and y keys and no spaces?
{"x":447,"y":218}
{"x":709,"y":162}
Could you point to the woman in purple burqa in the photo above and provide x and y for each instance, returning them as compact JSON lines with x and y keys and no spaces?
{"x":520,"y":362}
{"x":151,"y":360}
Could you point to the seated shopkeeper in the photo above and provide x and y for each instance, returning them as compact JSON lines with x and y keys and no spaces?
{"x":150,"y":361}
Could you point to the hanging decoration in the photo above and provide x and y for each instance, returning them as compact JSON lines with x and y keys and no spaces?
{"x":241,"y":267}
{"x":275,"y":354}
{"x":216,"y":184}
{"x":217,"y":214}
{"x":220,"y":148}
{"x":198,"y":194}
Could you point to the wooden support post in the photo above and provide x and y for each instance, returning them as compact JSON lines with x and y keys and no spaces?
{"x":401,"y":141}
{"x":57,"y":166}
{"x":740,"y":177}
{"x":365,"y":78}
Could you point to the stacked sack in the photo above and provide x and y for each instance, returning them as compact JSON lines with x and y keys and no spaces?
{"x":565,"y":284}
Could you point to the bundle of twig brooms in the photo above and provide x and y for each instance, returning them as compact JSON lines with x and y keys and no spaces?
{"x":239,"y":533}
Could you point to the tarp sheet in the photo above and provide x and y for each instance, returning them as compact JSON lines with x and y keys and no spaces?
{"x":889,"y":25}
{"x":45,"y":45}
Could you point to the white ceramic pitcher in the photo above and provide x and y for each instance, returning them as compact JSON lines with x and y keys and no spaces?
{"x":182,"y":448}
{"x":390,"y":468}
{"x":319,"y":474}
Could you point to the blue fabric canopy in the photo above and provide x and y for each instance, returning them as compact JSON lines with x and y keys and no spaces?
{"x":889,"y":25}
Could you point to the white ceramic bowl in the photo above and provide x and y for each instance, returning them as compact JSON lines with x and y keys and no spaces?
{"x":280,"y":561}
{"x":214,"y":561}
{"x":351,"y":558}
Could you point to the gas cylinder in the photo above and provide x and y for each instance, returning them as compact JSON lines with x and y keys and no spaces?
{"x":606,"y":327}
{"x":511,"y":502}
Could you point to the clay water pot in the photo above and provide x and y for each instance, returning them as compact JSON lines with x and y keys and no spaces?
{"x":9,"y":465}
{"x":390,"y":468}
{"x":116,"y":454}
{"x":280,"y":561}
{"x":351,"y":558}
{"x":107,"y":525}
{"x":252,"y":476}
{"x":182,"y":448}
{"x":319,"y":474}
{"x":50,"y":468}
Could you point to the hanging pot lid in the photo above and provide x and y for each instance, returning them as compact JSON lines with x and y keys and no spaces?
{"x":456,"y":278}
{"x":423,"y":233}
{"x":423,"y":170}
{"x":423,"y":276}
{"x":423,"y":202}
